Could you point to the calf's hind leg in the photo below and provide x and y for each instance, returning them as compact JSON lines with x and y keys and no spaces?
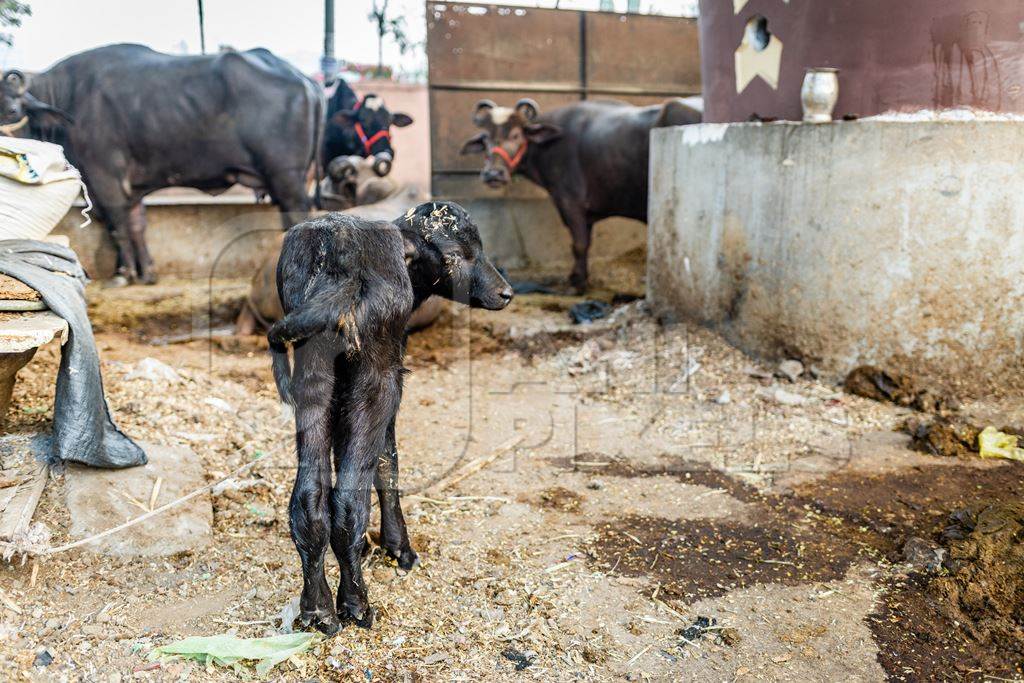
{"x":394,"y":536}
{"x":374,"y":398}
{"x":309,"y":509}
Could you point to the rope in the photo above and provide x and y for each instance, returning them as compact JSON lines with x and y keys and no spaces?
{"x":88,"y":204}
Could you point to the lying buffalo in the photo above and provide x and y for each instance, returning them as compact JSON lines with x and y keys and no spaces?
{"x":143,"y":121}
{"x":591,"y":157}
{"x":353,"y":181}
{"x":361,"y":128}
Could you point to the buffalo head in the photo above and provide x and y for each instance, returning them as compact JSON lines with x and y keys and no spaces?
{"x":506,"y":137}
{"x":370,"y":122}
{"x":18,"y":107}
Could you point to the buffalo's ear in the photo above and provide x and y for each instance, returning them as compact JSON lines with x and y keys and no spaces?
{"x":343,"y":117}
{"x":542,"y":133}
{"x":45,"y":115}
{"x":401,"y":120}
{"x":475,"y":145}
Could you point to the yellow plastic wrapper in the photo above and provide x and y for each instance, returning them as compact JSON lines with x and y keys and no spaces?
{"x":993,"y":443}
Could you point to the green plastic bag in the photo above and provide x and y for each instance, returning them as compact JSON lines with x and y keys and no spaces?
{"x":228,"y":650}
{"x":993,"y":443}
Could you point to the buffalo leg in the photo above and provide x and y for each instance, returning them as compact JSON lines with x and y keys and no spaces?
{"x":309,"y":509}
{"x":116,"y":216}
{"x":246,"y":323}
{"x":375,"y":395}
{"x":110,"y":197}
{"x":137,"y":235}
{"x":288,"y":191}
{"x":581,"y":228}
{"x":394,"y":536}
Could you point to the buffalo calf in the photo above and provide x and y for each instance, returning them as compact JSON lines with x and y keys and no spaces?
{"x":348,"y":287}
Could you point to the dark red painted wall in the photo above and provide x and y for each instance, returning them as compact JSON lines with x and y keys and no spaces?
{"x":901,"y":55}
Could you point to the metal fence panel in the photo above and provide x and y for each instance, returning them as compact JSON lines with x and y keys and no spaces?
{"x":557,"y":57}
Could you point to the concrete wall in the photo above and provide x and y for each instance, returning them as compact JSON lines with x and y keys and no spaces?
{"x":188,"y":232}
{"x":864,"y":242}
{"x":522,"y":230}
{"x":186,"y":239}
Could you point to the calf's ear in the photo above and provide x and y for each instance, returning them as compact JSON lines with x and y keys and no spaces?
{"x":541,"y":133}
{"x":411,"y":251}
{"x":474,"y":145}
{"x":401,"y":120}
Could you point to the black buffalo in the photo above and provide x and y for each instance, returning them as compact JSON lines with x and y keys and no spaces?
{"x":348,"y":287}
{"x":591,"y":157}
{"x":360,"y":128}
{"x":144,"y":121}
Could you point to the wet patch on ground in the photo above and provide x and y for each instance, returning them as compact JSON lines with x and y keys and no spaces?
{"x":883,"y":511}
{"x":561,"y":499}
{"x":697,"y":559}
{"x":961,"y":621}
{"x":174,"y":310}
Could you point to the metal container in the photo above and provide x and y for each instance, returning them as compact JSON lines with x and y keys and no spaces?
{"x":819,"y":94}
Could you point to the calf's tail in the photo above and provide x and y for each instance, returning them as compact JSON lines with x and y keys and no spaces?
{"x":299,"y":325}
{"x":282,"y":368}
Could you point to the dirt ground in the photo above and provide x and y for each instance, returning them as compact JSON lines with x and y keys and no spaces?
{"x":619,"y":500}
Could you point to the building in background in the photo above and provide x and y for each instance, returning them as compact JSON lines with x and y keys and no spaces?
{"x":892,"y":56}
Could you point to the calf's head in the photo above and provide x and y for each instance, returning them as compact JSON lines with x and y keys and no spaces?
{"x":18,"y":107}
{"x":370,"y":122}
{"x":506,"y":136}
{"x":445,"y":257}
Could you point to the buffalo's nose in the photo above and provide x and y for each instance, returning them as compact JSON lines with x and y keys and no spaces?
{"x":506,"y":295}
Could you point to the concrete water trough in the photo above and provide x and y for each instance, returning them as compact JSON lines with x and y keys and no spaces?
{"x":893,"y":242}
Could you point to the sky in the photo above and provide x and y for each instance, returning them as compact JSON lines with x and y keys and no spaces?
{"x":293,"y":29}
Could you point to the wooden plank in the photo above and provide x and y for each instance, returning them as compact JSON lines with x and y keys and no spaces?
{"x":682,"y":90}
{"x":23,"y":331}
{"x":642,"y":53}
{"x":16,"y":290}
{"x":495,"y":42}
{"x":20,"y":502}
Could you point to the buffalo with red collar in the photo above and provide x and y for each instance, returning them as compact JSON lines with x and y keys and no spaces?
{"x":591,"y":157}
{"x":360,"y":127}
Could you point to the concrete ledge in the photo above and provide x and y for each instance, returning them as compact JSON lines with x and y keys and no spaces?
{"x":218,"y":237}
{"x":230,"y":235}
{"x":862,"y":242}
{"x":521,"y":229}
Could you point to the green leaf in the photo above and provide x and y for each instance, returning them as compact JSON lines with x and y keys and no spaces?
{"x":228,"y":650}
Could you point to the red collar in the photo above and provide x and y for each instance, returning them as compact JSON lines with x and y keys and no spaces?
{"x":368,"y":142}
{"x":511,"y":161}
